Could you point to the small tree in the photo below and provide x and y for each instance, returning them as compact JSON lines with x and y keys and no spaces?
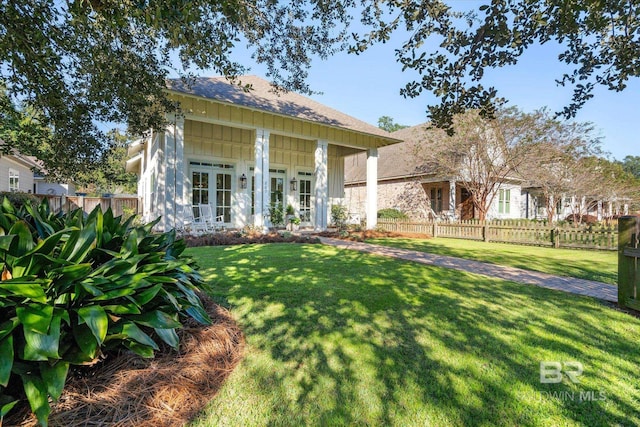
{"x":482,"y":154}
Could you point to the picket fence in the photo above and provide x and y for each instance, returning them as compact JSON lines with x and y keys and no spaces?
{"x":512,"y":231}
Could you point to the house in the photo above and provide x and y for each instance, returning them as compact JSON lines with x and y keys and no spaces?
{"x":18,"y":173}
{"x":246,"y":152}
{"x":404,"y":184}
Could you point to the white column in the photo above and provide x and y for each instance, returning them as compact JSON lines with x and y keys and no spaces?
{"x":261,"y":177}
{"x":169,"y":215}
{"x":599,"y":210}
{"x":452,"y":198}
{"x":322,"y":185}
{"x":372,"y":188}
{"x":181,"y":189}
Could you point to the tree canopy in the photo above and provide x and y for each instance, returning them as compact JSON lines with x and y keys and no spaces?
{"x":601,"y":41}
{"x":387,"y":123}
{"x":83,"y":65}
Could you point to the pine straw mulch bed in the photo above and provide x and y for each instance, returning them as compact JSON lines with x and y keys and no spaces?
{"x":169,"y":390}
{"x":240,"y":238}
{"x":362,"y":235}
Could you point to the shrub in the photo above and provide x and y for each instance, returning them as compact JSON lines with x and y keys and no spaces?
{"x":339,"y":216}
{"x":276,"y":214}
{"x":18,"y":199}
{"x":75,"y":287}
{"x":392,"y":214}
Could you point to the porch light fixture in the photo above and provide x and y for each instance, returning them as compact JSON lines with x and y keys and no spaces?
{"x":294,"y":184}
{"x":243,"y":181}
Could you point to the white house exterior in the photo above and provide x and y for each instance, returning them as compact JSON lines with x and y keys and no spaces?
{"x":242,"y":151}
{"x":403,"y":184}
{"x":16,"y":173}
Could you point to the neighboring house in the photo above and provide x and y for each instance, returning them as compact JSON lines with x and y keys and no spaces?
{"x":17,"y":174}
{"x":536,"y":206}
{"x":404,"y":184}
{"x":243,"y":152}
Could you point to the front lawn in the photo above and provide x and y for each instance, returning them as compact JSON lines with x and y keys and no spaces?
{"x":343,"y":338}
{"x":601,"y":266}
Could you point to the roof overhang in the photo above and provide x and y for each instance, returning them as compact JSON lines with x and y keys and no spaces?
{"x":133,"y":164}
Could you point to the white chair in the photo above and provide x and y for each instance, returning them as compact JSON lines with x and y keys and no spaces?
{"x":191,"y":224}
{"x":213,"y":223}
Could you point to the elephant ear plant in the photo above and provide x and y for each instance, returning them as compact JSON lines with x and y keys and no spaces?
{"x":75,"y":287}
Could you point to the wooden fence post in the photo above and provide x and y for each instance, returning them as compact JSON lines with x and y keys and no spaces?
{"x":485,"y":232}
{"x":628,"y":252}
{"x":555,"y":237}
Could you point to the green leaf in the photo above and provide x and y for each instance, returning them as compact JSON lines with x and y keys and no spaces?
{"x":157,"y":319}
{"x":36,"y":392}
{"x":5,"y":242}
{"x":79,"y":244}
{"x":141,"y":350}
{"x":36,"y":317}
{"x":199,"y":315}
{"x":6,"y":408}
{"x":41,"y":347}
{"x":54,"y":377}
{"x":23,"y":289}
{"x":6,"y":360}
{"x":144,"y":297}
{"x":24,"y":240}
{"x":86,"y":342}
{"x":127,"y":330}
{"x":96,"y":319}
{"x":7,"y":327}
{"x":122,"y":309}
{"x":169,"y":336}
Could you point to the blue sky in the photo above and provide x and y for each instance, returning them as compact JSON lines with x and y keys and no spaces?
{"x":367,"y":86}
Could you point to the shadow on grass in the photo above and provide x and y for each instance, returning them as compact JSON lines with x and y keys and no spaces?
{"x":343,"y":338}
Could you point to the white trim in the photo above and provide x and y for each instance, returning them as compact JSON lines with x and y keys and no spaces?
{"x":372,"y":189}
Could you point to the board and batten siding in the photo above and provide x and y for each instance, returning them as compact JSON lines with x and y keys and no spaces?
{"x":203,"y":110}
{"x":214,"y":143}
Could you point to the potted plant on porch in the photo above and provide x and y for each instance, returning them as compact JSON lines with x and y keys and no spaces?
{"x":293,"y":222}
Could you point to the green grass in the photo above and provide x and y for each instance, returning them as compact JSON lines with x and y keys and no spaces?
{"x":601,"y":266}
{"x":338,"y":337}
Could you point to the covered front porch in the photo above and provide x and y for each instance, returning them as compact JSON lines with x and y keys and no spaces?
{"x":249,"y":164}
{"x":447,"y":200}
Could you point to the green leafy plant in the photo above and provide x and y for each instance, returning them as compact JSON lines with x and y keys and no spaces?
{"x":294,"y":220}
{"x":339,"y":216}
{"x":276,"y":214}
{"x":75,"y":287}
{"x":392,"y":213}
{"x":290,"y":210}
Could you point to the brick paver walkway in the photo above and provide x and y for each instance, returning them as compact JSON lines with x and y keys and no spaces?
{"x":567,"y":284}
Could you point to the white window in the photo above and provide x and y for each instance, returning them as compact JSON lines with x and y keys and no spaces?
{"x":305,"y":186}
{"x":14,"y":180}
{"x":504,"y":202}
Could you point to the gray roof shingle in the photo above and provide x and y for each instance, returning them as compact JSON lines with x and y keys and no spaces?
{"x":394,"y":161}
{"x":263,"y":97}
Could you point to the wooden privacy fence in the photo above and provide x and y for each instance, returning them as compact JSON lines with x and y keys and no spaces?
{"x":119,"y":205}
{"x":628,"y":254}
{"x":512,"y":231}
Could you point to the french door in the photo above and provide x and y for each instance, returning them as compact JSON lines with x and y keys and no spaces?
{"x":213,"y":183}
{"x":305,"y":186}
